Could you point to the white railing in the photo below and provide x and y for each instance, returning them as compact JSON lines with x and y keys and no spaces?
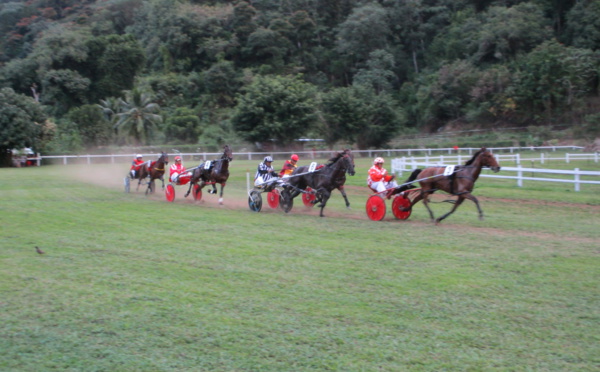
{"x":403,"y":165}
{"x":452,"y":153}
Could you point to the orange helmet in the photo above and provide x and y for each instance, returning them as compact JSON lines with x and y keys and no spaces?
{"x":295,"y":157}
{"x":378,"y":161}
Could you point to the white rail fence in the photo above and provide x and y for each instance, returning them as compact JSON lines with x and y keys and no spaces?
{"x":570,"y":176}
{"x":460,"y":154}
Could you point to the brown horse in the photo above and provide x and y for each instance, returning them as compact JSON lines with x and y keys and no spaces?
{"x":212,"y":172}
{"x":459,"y":183}
{"x":154,"y":170}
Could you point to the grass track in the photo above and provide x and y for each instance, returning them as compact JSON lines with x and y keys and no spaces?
{"x":130,"y":282}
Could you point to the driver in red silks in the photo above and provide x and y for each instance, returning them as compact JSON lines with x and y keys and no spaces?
{"x":136,"y":164}
{"x":379,"y":180}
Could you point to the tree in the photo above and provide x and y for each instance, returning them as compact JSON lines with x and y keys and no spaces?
{"x":583,"y":25}
{"x":21,"y":123}
{"x":343,"y":114}
{"x":93,"y":128}
{"x":276,"y":108}
{"x":553,"y":78}
{"x":183,"y":126}
{"x":364,"y":31}
{"x":138,"y":118}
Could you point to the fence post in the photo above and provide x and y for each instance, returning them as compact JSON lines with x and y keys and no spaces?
{"x":567,"y":158}
{"x":89,"y":161}
{"x":442,"y":159}
{"x":576,"y":179}
{"x":542,"y":158}
{"x":518,"y":159}
{"x":519,"y":176}
{"x":39,"y":159}
{"x":595,"y":157}
{"x":65,"y":160}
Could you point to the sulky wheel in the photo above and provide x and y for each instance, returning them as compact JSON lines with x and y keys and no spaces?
{"x":127,"y":181}
{"x":308,"y":198}
{"x":197,"y":192}
{"x":401,"y":207}
{"x":170,"y":193}
{"x":273,"y":198}
{"x":255,"y":201}
{"x":286,"y":202}
{"x":376,"y":208}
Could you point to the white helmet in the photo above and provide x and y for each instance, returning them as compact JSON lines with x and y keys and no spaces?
{"x":378,"y":161}
{"x":139,"y":156}
{"x":268,"y":158}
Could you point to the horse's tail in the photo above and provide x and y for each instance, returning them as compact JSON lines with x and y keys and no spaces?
{"x":408,"y":183}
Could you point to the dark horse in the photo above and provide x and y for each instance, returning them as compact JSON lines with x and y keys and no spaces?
{"x":459,"y":183}
{"x":154,"y":170}
{"x":212,"y":172}
{"x":322,"y":180}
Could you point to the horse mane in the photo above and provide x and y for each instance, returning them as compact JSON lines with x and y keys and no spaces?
{"x":475,"y":155}
{"x":338,"y":155}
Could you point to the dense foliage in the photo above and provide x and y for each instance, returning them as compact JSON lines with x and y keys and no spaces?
{"x":356,"y":71}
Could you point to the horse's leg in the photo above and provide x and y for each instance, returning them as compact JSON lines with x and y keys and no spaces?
{"x":162,"y":178}
{"x":189,"y":189}
{"x":325,"y":194}
{"x":221,"y":194}
{"x":459,"y":201}
{"x":474,"y":200}
{"x":426,"y":203}
{"x":341,"y":188}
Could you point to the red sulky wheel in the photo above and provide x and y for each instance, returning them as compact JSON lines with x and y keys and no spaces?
{"x":197,"y":192}
{"x":308,"y":197}
{"x":170,"y":192}
{"x":273,"y":198}
{"x":376,"y":208}
{"x":401,"y":202}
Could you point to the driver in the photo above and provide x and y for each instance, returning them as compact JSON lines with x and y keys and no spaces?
{"x":177,"y":170}
{"x":379,"y":180}
{"x":265,"y":172}
{"x":289,"y":166}
{"x":135,"y":165}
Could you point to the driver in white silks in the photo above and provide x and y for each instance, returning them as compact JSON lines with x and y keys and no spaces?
{"x":379,"y":180}
{"x":265,"y":174}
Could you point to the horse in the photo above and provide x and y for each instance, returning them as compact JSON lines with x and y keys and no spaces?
{"x":460,"y":183}
{"x":323,"y":180}
{"x":212,"y":172}
{"x":339,"y":182}
{"x":154,"y":170}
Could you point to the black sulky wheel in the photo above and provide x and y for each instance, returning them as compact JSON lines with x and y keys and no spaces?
{"x":255,"y":201}
{"x":286,"y":202}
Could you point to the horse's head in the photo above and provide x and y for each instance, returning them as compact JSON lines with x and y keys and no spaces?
{"x":349,"y":159}
{"x":164,"y":157}
{"x":227,"y":153}
{"x":489,"y":160}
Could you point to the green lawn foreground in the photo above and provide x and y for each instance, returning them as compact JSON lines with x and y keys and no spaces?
{"x":133,"y":283}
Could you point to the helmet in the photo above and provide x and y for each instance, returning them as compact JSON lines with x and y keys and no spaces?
{"x":138,"y":156}
{"x":378,"y":161}
{"x":295,"y":157}
{"x":268,"y":158}
{"x":178,"y":158}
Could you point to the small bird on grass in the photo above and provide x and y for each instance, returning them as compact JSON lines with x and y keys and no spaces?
{"x":38,"y":250}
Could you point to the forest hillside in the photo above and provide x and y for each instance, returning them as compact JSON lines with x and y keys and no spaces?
{"x":87,"y":75}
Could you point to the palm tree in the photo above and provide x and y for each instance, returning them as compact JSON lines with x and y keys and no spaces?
{"x":138,"y":116}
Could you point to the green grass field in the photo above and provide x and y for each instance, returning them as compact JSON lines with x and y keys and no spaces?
{"x":133,"y":283}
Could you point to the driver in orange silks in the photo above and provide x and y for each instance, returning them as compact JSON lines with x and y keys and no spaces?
{"x":289,"y":166}
{"x":379,"y":180}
